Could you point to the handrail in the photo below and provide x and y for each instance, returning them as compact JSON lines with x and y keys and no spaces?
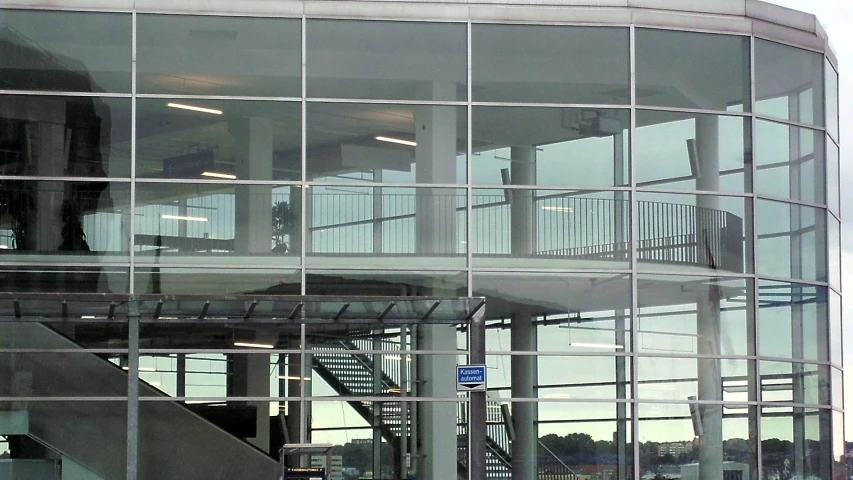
{"x":571,"y":473}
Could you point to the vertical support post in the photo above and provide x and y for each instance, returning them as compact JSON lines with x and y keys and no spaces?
{"x":477,"y":401}
{"x":404,"y":405}
{"x":377,"y":406}
{"x":133,"y":391}
{"x":181,"y":375}
{"x":524,"y":414}
{"x":708,"y":302}
{"x":620,"y":213}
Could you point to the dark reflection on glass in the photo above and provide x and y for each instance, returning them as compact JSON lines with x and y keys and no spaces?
{"x":791,"y":241}
{"x":789,"y":162}
{"x":835,"y":328}
{"x":216,"y":281}
{"x":550,"y":146}
{"x":64,"y":136}
{"x":687,"y":151}
{"x":789,"y":82}
{"x":590,"y":439}
{"x":833,"y":233}
{"x":831,"y":99}
{"x":363,"y":143}
{"x":833,"y":180}
{"x":585,"y":228}
{"x":48,"y":279}
{"x":214,"y":55}
{"x":65,"y":51}
{"x":698,"y":441}
{"x":687,"y":231}
{"x":387,"y":222}
{"x":217,"y":221}
{"x":682,"y":315}
{"x":83,"y":219}
{"x":390,"y":60}
{"x":385,"y":283}
{"x":87,"y":435}
{"x":669,"y":75}
{"x":551,"y":64}
{"x":218,"y":139}
{"x":793,"y":320}
{"x":795,"y":443}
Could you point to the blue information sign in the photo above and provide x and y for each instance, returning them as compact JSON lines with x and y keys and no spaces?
{"x":470,"y":378}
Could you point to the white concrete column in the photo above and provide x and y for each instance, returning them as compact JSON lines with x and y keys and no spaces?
{"x":253,"y":203}
{"x":708,"y":303}
{"x":435,"y":231}
{"x":251,"y":378}
{"x":522,"y":215}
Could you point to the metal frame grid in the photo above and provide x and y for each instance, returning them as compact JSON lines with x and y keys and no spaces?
{"x":755,"y":403}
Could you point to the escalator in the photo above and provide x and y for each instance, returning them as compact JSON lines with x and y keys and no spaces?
{"x":175,"y":443}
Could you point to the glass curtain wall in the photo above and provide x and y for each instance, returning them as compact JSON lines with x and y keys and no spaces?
{"x":658,"y":251}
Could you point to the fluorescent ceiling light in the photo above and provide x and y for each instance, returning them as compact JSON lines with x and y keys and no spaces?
{"x":4,"y":247}
{"x":289,"y":377}
{"x":596,"y":345}
{"x":141,"y":369}
{"x":253,"y":345}
{"x":396,"y":140}
{"x":396,"y":358}
{"x":194,"y":108}
{"x":181,"y":217}
{"x":558,"y":209}
{"x":226,"y":176}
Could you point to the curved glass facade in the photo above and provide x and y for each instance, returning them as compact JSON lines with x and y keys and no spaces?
{"x":657,"y":241}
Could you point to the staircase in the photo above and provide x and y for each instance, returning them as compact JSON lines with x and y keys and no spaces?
{"x":352,"y":374}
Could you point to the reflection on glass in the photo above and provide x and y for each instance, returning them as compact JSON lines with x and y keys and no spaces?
{"x":835,"y":328}
{"x":216,"y":220}
{"x":669,"y":75}
{"x":64,"y":136}
{"x":793,"y":320}
{"x":552,"y":64}
{"x":49,"y":279}
{"x":212,"y":55}
{"x":358,"y":143}
{"x":795,"y":442}
{"x":794,"y":383}
{"x":218,"y":140}
{"x":833,"y":234}
{"x":65,"y":51}
{"x":390,"y":60}
{"x":788,"y":82}
{"x":585,"y":228}
{"x":44,"y":219}
{"x":693,"y":152}
{"x":215,"y":281}
{"x":697,"y":441}
{"x":789,"y":162}
{"x":385,"y":283}
{"x":688,"y":231}
{"x":833,"y":194}
{"x":387,"y":221}
{"x":791,"y":241}
{"x":583,"y":437}
{"x":550,"y":146}
{"x":669,"y":378}
{"x":563,"y":377}
{"x":837,"y":395}
{"x":831,"y":99}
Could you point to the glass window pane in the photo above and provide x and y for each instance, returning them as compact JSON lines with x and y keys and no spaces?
{"x":669,"y":75}
{"x":670,"y":224}
{"x":795,"y":442}
{"x":216,"y":281}
{"x":218,"y":139}
{"x":791,"y":241}
{"x":834,"y":253}
{"x":50,"y":279}
{"x":670,"y":151}
{"x":74,"y":221}
{"x":550,"y":146}
{"x":211,"y":55}
{"x":835,"y":328}
{"x":570,"y":312}
{"x":516,"y":227}
{"x":677,"y":314}
{"x":388,"y":60}
{"x":218,"y":224}
{"x":385,"y":283}
{"x":789,"y":162}
{"x":831,"y":99}
{"x":833,"y":194}
{"x":837,"y":388}
{"x":785,"y":382}
{"x":669,"y":378}
{"x":421,"y":225}
{"x":792,"y":320}
{"x":64,"y":136}
{"x":563,"y":377}
{"x":680,"y":440}
{"x":386,"y":143}
{"x":788,"y":82}
{"x":550,"y":64}
{"x":65,"y":51}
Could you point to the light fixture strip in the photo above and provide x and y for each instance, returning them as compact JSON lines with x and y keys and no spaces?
{"x":194,"y":108}
{"x":226,"y":176}
{"x":253,"y":345}
{"x":181,"y":217}
{"x":399,"y":141}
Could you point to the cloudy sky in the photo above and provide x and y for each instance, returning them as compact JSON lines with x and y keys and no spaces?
{"x":837,"y":17}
